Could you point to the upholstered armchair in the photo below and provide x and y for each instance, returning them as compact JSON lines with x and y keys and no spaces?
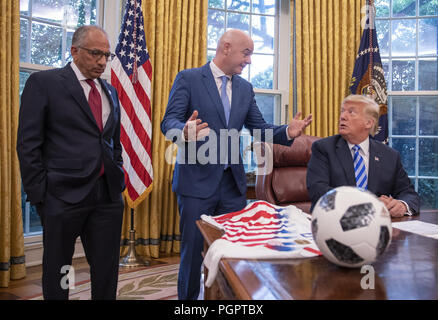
{"x":281,"y":172}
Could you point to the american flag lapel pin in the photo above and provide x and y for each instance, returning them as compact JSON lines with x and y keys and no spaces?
{"x":376,"y":158}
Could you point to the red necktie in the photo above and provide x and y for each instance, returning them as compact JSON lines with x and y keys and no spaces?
{"x":95,"y":102}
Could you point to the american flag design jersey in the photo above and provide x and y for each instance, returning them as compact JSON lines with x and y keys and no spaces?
{"x":260,"y":231}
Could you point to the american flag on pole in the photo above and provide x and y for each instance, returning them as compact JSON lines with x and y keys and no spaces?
{"x":368,"y":76}
{"x":260,"y":231}
{"x":131,"y":75}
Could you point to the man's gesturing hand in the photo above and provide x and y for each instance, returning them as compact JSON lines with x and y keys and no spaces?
{"x":297,"y":126}
{"x":194,"y":128}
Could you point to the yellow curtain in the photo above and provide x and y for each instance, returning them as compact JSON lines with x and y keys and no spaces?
{"x":327,"y":38}
{"x":176,"y":36}
{"x":11,"y":225}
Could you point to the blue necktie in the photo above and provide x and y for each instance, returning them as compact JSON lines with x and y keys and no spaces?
{"x":359,"y":169}
{"x":224,"y":98}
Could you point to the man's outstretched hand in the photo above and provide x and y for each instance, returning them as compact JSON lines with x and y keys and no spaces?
{"x":297,"y":126}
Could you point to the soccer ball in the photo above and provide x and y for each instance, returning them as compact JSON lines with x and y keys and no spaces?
{"x":351,"y":226}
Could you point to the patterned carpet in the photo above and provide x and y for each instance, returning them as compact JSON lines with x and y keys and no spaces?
{"x":157,"y":283}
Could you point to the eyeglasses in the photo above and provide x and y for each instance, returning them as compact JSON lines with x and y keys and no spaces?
{"x":97,"y":54}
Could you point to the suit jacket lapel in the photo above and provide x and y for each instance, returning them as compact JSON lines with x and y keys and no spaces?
{"x":105,"y":89}
{"x":72,"y":85}
{"x":373,"y":166}
{"x":211,"y":86}
{"x":234,"y":99}
{"x":344,"y":155}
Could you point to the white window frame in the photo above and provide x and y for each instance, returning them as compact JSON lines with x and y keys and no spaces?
{"x":416,"y":58}
{"x":417,"y":135}
{"x":281,"y":57}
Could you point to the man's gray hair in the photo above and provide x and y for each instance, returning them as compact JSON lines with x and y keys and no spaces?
{"x":81,"y":33}
{"x":371,"y":108}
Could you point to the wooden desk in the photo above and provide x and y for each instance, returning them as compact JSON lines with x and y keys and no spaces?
{"x":407,"y":270}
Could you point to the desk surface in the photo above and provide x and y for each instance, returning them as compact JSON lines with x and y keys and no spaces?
{"x":408,"y":269}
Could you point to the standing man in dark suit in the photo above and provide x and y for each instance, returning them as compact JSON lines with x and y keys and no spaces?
{"x":209,"y":176}
{"x":353,"y":158}
{"x":71,"y":164}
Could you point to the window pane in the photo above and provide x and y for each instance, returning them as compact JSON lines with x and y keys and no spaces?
{"x":403,"y":37}
{"x":245,"y":151}
{"x":263,"y":6}
{"x":24,"y":75}
{"x":210,"y":54}
{"x":382,"y":29}
{"x":406,"y":148}
{"x":403,"y":115}
{"x":216,"y":4}
{"x":220,"y":4}
{"x":401,"y":8}
{"x":245,"y":73}
{"x":262,"y":71}
{"x":24,"y":7}
{"x":427,"y":190}
{"x":427,"y":34}
{"x":263,"y":31}
{"x":238,"y":5}
{"x":46,"y":45}
{"x":385,"y":65}
{"x":49,"y":10}
{"x":403,"y":75}
{"x":238,"y":21}
{"x":216,"y":27}
{"x":31,"y":219}
{"x":34,"y":220}
{"x":67,"y":53}
{"x":428,"y":161}
{"x":428,"y":8}
{"x":23,"y":39}
{"x":80,"y":13}
{"x":382,"y":8}
{"x":428,"y":115}
{"x":267,"y":104}
{"x":427,"y":73}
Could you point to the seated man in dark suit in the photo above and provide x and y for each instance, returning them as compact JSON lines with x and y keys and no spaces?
{"x":353,"y":158}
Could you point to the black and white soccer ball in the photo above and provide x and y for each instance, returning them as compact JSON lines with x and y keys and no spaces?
{"x":351,"y":226}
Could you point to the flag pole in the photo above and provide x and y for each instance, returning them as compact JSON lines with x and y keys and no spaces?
{"x":131,"y":71}
{"x":132,"y":260}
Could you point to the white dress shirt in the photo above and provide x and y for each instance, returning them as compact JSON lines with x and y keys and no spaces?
{"x":217,"y":74}
{"x":106,"y":109}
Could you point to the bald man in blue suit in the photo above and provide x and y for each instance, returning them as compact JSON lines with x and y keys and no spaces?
{"x":206,"y":111}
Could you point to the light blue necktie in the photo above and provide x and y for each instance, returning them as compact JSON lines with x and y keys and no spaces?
{"x":224,"y":98}
{"x":359,"y":169}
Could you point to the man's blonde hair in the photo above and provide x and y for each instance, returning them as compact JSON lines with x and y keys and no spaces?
{"x":371,"y":108}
